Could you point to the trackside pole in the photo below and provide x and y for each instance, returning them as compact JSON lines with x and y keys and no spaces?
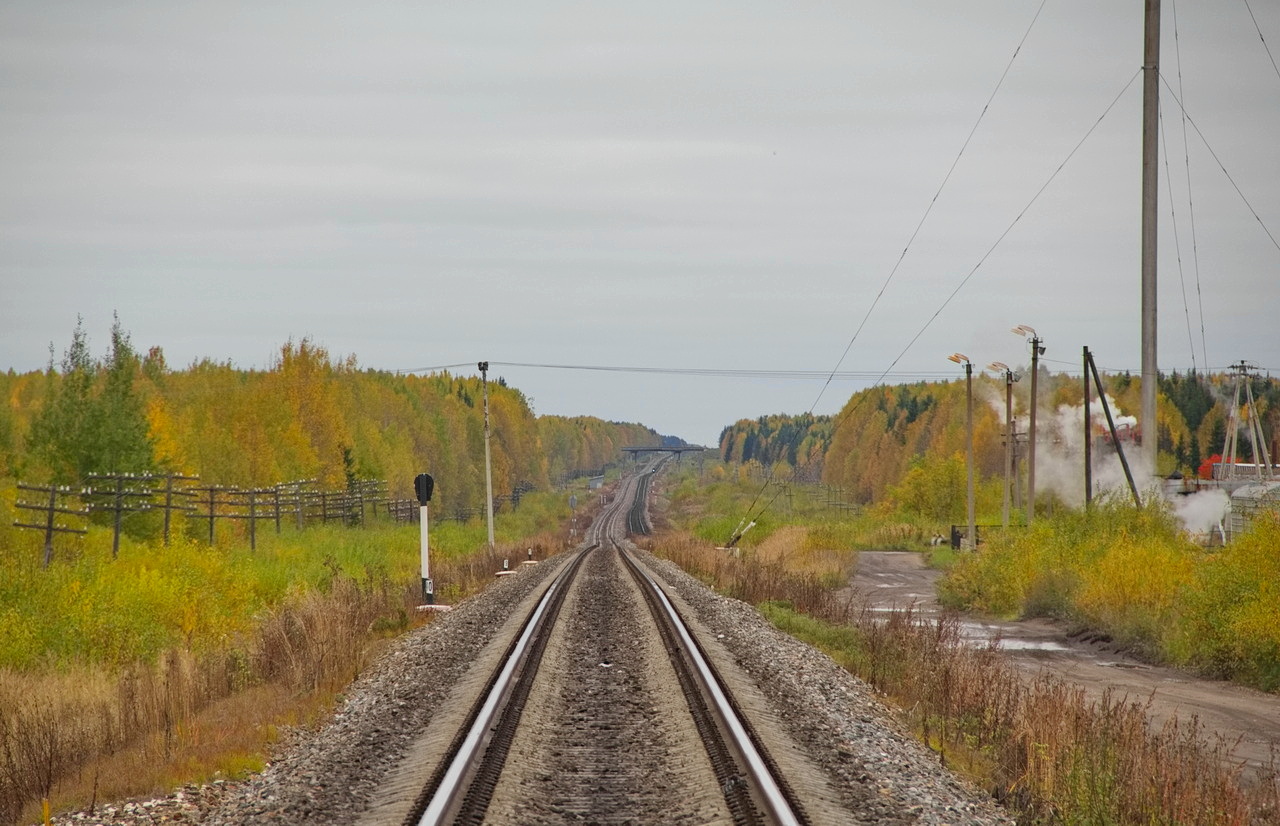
{"x":428,"y":589}
{"x":423,"y":485}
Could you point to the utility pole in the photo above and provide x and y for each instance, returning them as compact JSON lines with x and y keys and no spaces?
{"x":121,"y":499}
{"x":1009,"y":379}
{"x":1037,"y":350}
{"x":1253,"y":426}
{"x":1150,"y":183}
{"x":169,"y":492}
{"x":960,"y":358}
{"x":50,"y":511}
{"x":488,"y":463}
{"x":1088,"y":436}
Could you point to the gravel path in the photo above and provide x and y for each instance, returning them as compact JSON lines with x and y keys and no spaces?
{"x":874,"y":772}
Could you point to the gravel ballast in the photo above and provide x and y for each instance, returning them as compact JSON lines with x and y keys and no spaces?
{"x":876,"y":770}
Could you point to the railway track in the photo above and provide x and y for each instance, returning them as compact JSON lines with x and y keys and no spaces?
{"x":466,"y":779}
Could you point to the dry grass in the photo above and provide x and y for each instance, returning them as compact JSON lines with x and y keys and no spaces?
{"x":1042,"y":748}
{"x":1046,"y":752}
{"x":86,"y":735}
{"x":795,"y":549}
{"x":752,"y":577}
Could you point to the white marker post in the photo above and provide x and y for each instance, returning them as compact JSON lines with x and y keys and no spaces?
{"x":423,"y":485}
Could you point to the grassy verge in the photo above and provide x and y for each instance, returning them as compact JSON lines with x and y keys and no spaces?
{"x":1040,"y":747}
{"x":171,"y":665}
{"x":1133,"y":575}
{"x":714,"y":506}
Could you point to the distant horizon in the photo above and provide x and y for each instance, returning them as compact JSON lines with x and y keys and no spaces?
{"x":469,"y":370}
{"x":865,"y":187}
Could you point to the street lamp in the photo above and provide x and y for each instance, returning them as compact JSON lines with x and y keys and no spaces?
{"x":1037,"y":350}
{"x":1009,"y":378}
{"x":960,"y":358}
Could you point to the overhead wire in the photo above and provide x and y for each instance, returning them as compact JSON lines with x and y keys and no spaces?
{"x":1191,"y":202}
{"x":1177,"y":244}
{"x":1221,"y":166}
{"x":1013,"y":223}
{"x":898,"y":263}
{"x":934,"y":200}
{"x":1258,"y":29}
{"x":783,"y":375}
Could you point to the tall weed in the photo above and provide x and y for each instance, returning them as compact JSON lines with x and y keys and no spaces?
{"x":1046,"y":752}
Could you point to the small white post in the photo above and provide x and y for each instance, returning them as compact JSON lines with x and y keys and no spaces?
{"x":428,"y":588}
{"x":423,"y":485}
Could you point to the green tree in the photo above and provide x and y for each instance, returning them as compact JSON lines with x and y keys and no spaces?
{"x":92,"y":421}
{"x":120,"y":420}
{"x":62,"y":432}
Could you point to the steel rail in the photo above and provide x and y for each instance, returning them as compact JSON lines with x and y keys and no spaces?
{"x":460,"y":789}
{"x":754,"y":790}
{"x":750,"y":780}
{"x":463,"y":782}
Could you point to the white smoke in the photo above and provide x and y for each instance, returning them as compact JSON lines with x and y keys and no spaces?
{"x":1060,"y":453}
{"x":1060,"y":467}
{"x":1202,"y":512}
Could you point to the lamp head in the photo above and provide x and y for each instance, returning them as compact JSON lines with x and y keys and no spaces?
{"x":958,"y":358}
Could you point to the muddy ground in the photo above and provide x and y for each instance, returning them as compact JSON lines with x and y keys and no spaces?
{"x":1247,"y":720}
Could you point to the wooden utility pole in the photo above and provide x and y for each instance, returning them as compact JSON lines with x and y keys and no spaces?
{"x":129,"y":493}
{"x":1092,"y":370}
{"x":1088,"y":436}
{"x":170,"y":491}
{"x":50,"y":510}
{"x":1150,"y":182}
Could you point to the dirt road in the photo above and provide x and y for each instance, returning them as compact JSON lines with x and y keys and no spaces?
{"x":1249,"y":719}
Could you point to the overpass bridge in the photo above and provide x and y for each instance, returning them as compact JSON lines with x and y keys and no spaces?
{"x":635,"y":452}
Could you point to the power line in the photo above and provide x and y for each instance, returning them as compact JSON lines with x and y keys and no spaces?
{"x":1013,"y":223}
{"x":897,"y":264}
{"x":934,"y":200}
{"x":1191,"y":201}
{"x":1258,"y":29}
{"x":1248,"y":204}
{"x":706,"y":372}
{"x":1177,"y":243}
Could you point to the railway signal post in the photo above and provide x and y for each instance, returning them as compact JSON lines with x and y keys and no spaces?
{"x":423,"y":486}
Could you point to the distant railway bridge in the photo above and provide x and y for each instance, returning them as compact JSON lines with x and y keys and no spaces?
{"x":635,"y":452}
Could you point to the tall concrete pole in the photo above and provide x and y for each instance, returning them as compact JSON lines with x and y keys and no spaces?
{"x":1031,"y":436}
{"x":961,"y":358}
{"x":488,"y":463}
{"x":1001,"y":367}
{"x":1037,"y":350}
{"x":968,"y":389}
{"x":1008,"y":442}
{"x":1150,"y":181}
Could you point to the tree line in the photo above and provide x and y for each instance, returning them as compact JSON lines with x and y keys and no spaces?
{"x":307,"y":416}
{"x":889,"y":443}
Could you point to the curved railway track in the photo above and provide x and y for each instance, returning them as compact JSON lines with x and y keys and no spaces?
{"x":463,"y":784}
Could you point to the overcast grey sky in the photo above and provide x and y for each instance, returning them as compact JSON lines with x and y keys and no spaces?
{"x":704,"y":185}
